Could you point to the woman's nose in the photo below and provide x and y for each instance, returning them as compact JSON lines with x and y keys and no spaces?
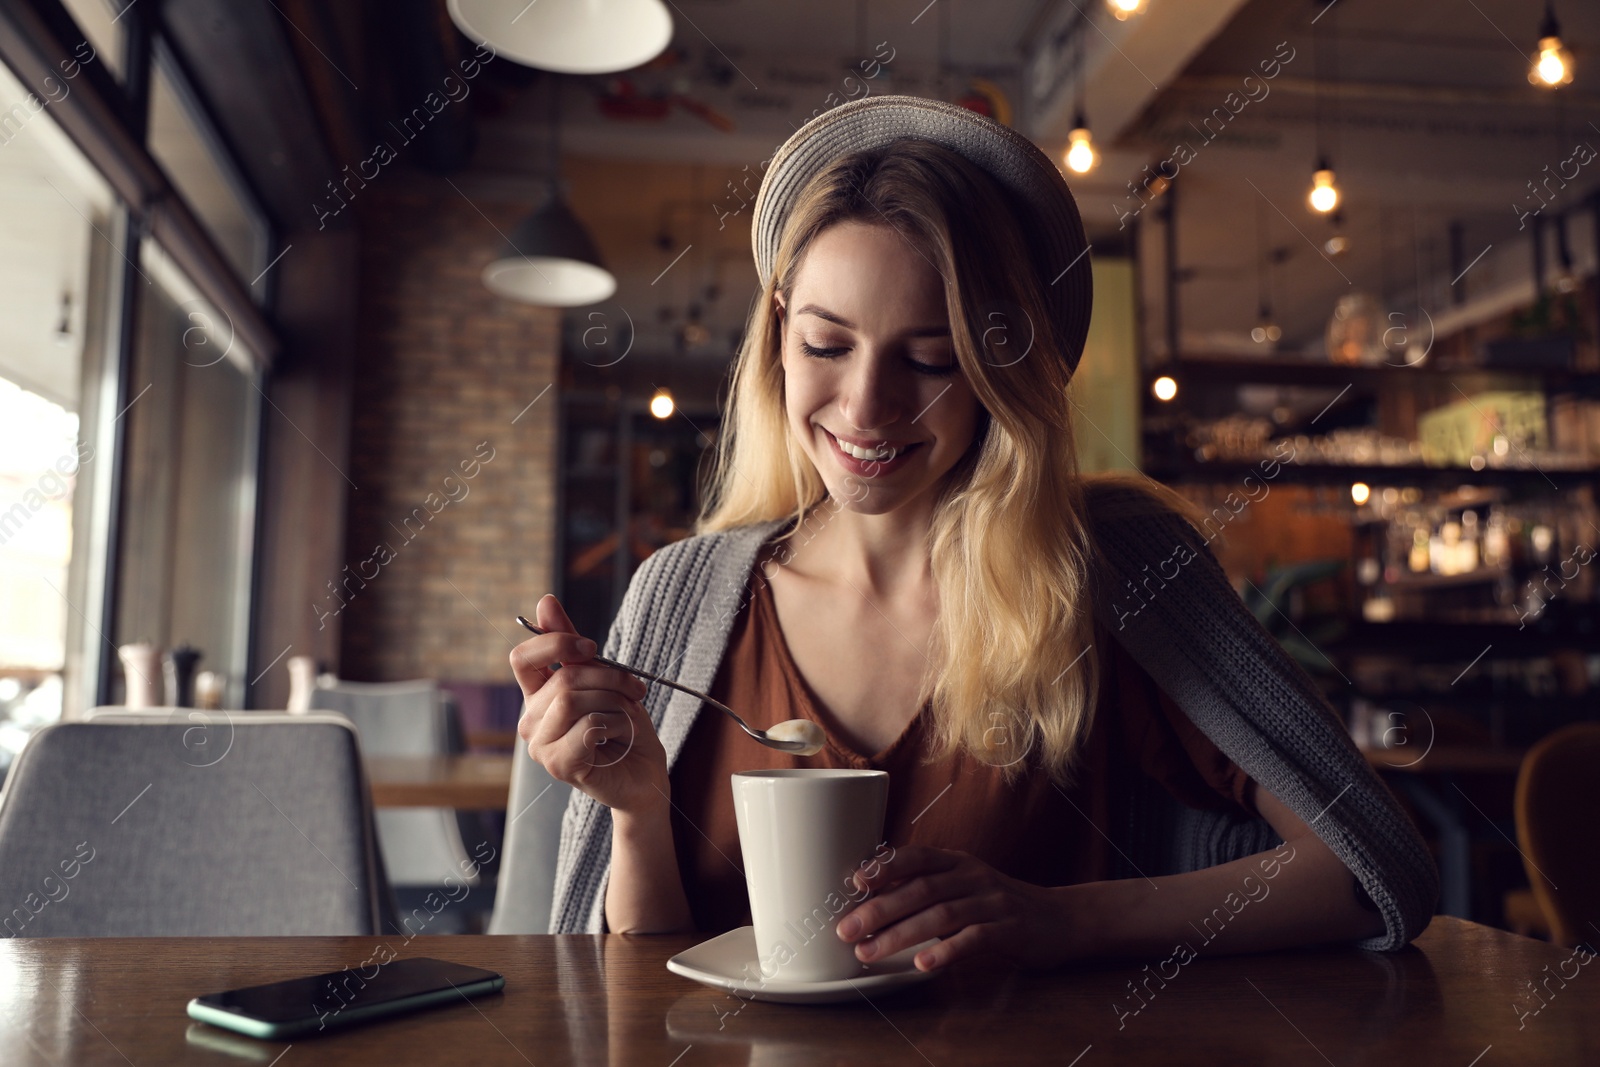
{"x":874,"y":396}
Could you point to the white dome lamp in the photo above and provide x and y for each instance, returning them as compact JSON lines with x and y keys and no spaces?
{"x":568,"y":36}
{"x":550,"y":259}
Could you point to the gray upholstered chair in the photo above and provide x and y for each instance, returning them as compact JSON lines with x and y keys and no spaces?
{"x":172,"y":822}
{"x":424,"y":849}
{"x":533,"y":835}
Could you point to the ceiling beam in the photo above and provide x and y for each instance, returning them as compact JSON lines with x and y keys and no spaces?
{"x":1523,"y":96}
{"x":1126,"y":64}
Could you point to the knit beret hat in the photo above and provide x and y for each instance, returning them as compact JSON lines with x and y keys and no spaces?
{"x":1038,"y":195}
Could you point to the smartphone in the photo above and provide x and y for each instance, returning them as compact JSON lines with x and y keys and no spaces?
{"x":306,"y":1006}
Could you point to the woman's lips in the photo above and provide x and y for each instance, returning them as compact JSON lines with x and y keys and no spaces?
{"x":870,"y":468}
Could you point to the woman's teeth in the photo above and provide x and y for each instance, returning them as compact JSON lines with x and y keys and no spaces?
{"x":884,"y":456}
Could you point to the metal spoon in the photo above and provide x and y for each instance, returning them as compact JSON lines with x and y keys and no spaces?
{"x":800,"y":736}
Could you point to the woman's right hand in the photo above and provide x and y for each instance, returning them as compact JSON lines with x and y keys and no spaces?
{"x":584,"y":722}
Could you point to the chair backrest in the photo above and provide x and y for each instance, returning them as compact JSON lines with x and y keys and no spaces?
{"x":533,"y":836}
{"x":174,"y":822}
{"x":421,"y":846}
{"x":394,"y":718}
{"x":1557,"y":809}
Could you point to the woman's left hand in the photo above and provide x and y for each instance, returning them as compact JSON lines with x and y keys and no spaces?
{"x":921,"y":893}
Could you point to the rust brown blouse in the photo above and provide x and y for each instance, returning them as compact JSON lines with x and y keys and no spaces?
{"x":1029,"y":829}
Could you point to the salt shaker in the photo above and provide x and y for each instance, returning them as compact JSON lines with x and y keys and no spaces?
{"x":141,"y":666}
{"x":302,"y":680}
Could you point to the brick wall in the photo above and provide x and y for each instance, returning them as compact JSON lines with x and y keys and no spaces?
{"x":452,"y":516}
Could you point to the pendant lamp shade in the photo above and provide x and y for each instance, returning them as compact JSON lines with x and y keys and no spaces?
{"x":568,"y":36}
{"x":550,"y":260}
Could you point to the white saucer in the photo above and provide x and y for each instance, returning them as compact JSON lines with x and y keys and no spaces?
{"x":727,"y":961}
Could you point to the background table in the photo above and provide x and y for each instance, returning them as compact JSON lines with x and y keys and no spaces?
{"x":468,"y":782}
{"x":1428,"y":779}
{"x":1452,"y":998}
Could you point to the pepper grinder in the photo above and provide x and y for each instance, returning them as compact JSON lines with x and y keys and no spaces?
{"x":177,"y":667}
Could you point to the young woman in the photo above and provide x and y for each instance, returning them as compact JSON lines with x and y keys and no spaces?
{"x":1093,"y":748}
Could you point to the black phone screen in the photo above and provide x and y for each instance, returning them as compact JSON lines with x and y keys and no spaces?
{"x":339,"y":996}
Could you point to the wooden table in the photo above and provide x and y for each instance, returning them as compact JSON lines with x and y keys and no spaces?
{"x":468,"y":782}
{"x":1451,"y":998}
{"x":1447,"y":759}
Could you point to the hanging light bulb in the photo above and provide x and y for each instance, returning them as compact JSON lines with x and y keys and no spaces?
{"x":1266,"y":330}
{"x":1081,"y":156}
{"x":1552,"y":64}
{"x":1164,"y":387}
{"x":661,"y":404}
{"x":1125,"y":9}
{"x":1324,"y":194}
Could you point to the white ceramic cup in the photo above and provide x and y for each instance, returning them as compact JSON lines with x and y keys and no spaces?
{"x":804,"y":833}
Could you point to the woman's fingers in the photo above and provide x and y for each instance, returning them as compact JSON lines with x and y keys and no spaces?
{"x":598,"y":739}
{"x":944,"y":920}
{"x":957,"y":946}
{"x":583,"y":730}
{"x":907,"y":898}
{"x":904,"y":862}
{"x":565,"y":707}
{"x":576,"y":677}
{"x":531,"y":661}
{"x":594,"y":741}
{"x":551,"y":616}
{"x":620,"y":685}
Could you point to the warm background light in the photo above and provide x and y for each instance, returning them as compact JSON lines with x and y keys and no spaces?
{"x":1081,"y":156}
{"x":1324,"y":194}
{"x":1553,"y":65}
{"x":661,"y":404}
{"x":1164,"y":388}
{"x":1360,"y":492}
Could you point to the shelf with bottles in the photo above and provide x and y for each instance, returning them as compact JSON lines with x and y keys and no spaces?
{"x":1477,"y":555}
{"x":1235,"y":472}
{"x":1192,"y":371}
{"x":1503,"y":437}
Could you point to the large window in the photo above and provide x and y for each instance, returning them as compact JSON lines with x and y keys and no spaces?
{"x":129,"y":411}
{"x":188,"y":479}
{"x":103,"y":27}
{"x":58,"y":225}
{"x":191,"y":154}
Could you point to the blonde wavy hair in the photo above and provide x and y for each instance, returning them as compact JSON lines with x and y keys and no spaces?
{"x":1010,"y":550}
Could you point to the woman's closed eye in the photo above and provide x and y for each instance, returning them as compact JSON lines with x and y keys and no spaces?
{"x":834,"y":351}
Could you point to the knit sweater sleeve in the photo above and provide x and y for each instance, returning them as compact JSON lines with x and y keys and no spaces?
{"x":1164,"y":597}
{"x":673,"y":621}
{"x":583,"y":861}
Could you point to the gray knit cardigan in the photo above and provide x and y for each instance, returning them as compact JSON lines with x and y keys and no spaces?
{"x":1162,"y":595}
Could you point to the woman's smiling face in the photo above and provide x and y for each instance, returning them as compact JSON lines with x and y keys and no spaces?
{"x":868,"y":361}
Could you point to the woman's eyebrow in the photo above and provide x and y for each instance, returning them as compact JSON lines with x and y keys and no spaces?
{"x":824,"y":313}
{"x":837,"y":320}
